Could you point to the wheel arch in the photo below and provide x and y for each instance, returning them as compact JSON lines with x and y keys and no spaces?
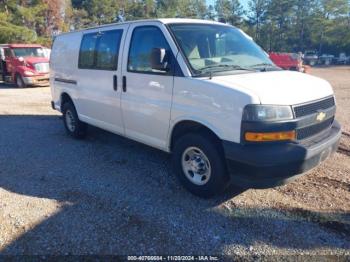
{"x":64,"y":98}
{"x":186,"y":126}
{"x":15,"y":74}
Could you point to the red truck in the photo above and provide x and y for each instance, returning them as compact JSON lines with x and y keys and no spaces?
{"x":287,"y":61}
{"x":24,"y":65}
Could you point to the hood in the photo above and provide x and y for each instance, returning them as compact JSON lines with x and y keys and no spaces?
{"x":279,"y":87}
{"x":34,"y":60}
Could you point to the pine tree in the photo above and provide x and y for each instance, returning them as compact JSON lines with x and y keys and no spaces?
{"x":231,"y":11}
{"x":258,"y":9}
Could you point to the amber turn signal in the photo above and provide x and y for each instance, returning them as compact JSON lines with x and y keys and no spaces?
{"x":275,"y":136}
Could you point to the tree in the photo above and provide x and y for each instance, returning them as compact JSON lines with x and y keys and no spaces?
{"x":182,"y":8}
{"x":211,"y":13}
{"x":77,"y":4}
{"x":328,"y":16}
{"x":277,"y":25}
{"x":279,"y":20}
{"x":102,"y":11}
{"x":230,"y":10}
{"x":13,"y":33}
{"x":303,"y":19}
{"x":258,"y":9}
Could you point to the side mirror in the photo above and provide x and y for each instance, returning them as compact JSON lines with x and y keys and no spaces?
{"x":21,"y":59}
{"x":159,"y":59}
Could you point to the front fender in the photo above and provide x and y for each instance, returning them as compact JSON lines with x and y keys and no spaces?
{"x":20,"y":70}
{"x":195,"y":119}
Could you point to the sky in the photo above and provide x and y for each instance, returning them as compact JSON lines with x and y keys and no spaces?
{"x":244,"y":3}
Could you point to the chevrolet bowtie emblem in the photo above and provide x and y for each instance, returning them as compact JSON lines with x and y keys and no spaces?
{"x":321,"y":116}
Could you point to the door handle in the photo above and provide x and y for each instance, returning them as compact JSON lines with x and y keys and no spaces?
{"x":115,"y":82}
{"x":124,"y":83}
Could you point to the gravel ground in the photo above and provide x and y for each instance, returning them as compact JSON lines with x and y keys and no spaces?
{"x":109,"y":195}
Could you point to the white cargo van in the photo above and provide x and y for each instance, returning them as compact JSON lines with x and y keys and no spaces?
{"x":201,"y":90}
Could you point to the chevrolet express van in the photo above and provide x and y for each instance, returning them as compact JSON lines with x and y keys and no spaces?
{"x":202,"y":91}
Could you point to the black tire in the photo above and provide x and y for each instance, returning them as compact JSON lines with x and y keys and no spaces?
{"x":218,"y":179}
{"x":19,"y":81}
{"x":76,"y":128}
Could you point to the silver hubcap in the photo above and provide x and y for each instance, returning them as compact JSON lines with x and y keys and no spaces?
{"x":196,"y":166}
{"x":70,"y":121}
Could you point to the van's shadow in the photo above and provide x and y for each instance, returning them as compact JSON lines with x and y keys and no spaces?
{"x":7,"y":85}
{"x":13,"y":86}
{"x":115,"y":196}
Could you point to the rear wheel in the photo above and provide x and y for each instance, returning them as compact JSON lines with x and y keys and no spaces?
{"x":199,"y":164}
{"x":19,"y":81}
{"x":73,"y":125}
{"x":312,"y":63}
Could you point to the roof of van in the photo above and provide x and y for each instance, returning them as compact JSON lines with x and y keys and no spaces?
{"x":20,"y":45}
{"x":161,"y":20}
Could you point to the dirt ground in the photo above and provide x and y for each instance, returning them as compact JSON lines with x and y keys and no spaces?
{"x":108,"y":195}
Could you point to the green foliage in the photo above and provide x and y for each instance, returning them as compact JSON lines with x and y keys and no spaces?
{"x":230,"y":10}
{"x":182,"y":8}
{"x":278,"y":25}
{"x":101,"y":11}
{"x":300,"y":25}
{"x":13,"y":33}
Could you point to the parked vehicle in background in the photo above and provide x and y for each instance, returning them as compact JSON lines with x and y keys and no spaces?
{"x":200,"y":90}
{"x":287,"y":61}
{"x":47,"y":52}
{"x":310,"y":58}
{"x":24,"y":65}
{"x":326,"y":59}
{"x":2,"y":63}
{"x":342,"y":59}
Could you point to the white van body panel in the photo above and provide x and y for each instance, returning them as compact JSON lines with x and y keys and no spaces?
{"x":63,"y":65}
{"x":279,"y":87}
{"x":99,"y":103}
{"x":146,"y":104}
{"x":217,"y":106}
{"x":154,"y":104}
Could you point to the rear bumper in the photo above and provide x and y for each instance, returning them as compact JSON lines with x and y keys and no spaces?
{"x":269,"y":165}
{"x":43,"y":80}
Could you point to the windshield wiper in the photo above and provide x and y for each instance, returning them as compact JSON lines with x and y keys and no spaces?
{"x":264,"y":66}
{"x":208,"y":69}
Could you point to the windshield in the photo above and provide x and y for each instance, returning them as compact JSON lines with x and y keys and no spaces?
{"x":29,"y":51}
{"x":214,"y":48}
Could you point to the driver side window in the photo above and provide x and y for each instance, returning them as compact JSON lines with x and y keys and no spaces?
{"x":8,"y":52}
{"x":143,"y":40}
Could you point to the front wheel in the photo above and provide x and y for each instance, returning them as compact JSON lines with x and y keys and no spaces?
{"x":73,"y":125}
{"x":19,"y":81}
{"x":199,"y":164}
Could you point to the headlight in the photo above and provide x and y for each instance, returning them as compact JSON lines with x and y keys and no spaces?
{"x":28,"y":73}
{"x":267,"y":113}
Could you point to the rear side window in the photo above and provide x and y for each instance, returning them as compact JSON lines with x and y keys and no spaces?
{"x":87,"y":51}
{"x":100,"y":50}
{"x":144,"y":39}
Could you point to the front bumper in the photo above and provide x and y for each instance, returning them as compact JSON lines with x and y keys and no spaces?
{"x":40,"y":80}
{"x":273,"y":164}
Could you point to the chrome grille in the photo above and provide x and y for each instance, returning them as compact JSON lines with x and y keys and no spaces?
{"x":42,"y":67}
{"x":312,"y":108}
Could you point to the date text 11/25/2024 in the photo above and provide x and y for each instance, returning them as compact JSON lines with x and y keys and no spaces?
{"x":173,"y":258}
